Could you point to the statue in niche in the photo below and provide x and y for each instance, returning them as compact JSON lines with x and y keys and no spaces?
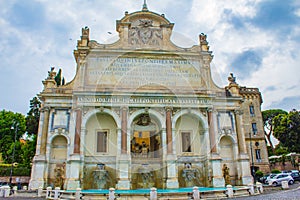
{"x":226,"y":175}
{"x":145,"y":149}
{"x":60,"y":175}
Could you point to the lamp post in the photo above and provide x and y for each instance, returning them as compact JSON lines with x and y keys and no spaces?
{"x":13,"y":154}
{"x":252,"y":163}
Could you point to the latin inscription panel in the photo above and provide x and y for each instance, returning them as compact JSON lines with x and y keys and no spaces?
{"x":138,"y":72}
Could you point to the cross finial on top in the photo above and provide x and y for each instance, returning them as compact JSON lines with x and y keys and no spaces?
{"x":145,"y":6}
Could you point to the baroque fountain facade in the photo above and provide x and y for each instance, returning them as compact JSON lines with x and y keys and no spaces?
{"x":143,"y":112}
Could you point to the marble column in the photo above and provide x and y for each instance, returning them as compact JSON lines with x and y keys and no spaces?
{"x":212,"y":133}
{"x":169,"y":131}
{"x":170,"y":159}
{"x":77,"y":131}
{"x":39,"y":165}
{"x":244,"y":173}
{"x":215,"y":160}
{"x":74,"y":164}
{"x":40,"y":133}
{"x":240,"y":131}
{"x":124,"y":131}
{"x":45,"y":130}
{"x":123,"y":157}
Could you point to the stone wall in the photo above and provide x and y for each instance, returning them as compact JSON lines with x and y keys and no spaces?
{"x":23,"y":179}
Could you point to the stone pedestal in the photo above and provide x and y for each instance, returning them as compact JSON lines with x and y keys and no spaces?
{"x":229,"y":191}
{"x":153,"y":194}
{"x":284,"y":185}
{"x":72,"y":173}
{"x":123,"y":167}
{"x":245,"y":170}
{"x":217,"y":176}
{"x":111,"y":194}
{"x":196,"y":194}
{"x":37,"y":172}
{"x":172,"y":178}
{"x":251,"y":189}
{"x":259,"y":188}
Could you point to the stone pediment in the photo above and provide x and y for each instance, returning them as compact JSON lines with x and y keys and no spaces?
{"x":144,"y":29}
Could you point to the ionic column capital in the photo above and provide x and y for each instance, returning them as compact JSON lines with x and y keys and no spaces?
{"x":238,"y":112}
{"x":46,"y":109}
{"x":168,"y":108}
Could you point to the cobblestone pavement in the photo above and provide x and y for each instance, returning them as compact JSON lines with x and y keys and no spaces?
{"x":276,"y":194}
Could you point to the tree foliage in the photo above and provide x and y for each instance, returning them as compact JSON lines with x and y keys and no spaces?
{"x":32,"y":125}
{"x":268,"y":116}
{"x":12,"y":128}
{"x":57,"y":78}
{"x":33,"y":116}
{"x":287,"y":130}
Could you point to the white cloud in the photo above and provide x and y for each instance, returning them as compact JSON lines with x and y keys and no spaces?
{"x":29,"y":54}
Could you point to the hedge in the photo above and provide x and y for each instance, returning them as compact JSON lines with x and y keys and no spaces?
{"x":17,"y":171}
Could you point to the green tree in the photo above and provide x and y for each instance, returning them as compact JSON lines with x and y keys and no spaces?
{"x":32,"y":125}
{"x":287,"y":129}
{"x":268,"y":116}
{"x":12,"y":128}
{"x":28,"y":151}
{"x":57,"y":78}
{"x":33,"y":116}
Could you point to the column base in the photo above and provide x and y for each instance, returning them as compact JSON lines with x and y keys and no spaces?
{"x":123,"y":185}
{"x":124,"y":169}
{"x":35,"y":184}
{"x":172,"y":183}
{"x":72,"y":184}
{"x":37,"y":172}
{"x":218,"y":182}
{"x":247,"y":180}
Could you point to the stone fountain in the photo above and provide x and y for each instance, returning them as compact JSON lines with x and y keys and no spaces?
{"x":101,"y":177}
{"x":191,"y":176}
{"x":145,"y":177}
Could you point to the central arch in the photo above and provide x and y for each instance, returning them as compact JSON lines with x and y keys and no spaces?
{"x":146,"y":127}
{"x":146,"y":134}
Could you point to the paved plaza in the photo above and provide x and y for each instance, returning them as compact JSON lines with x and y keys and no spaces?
{"x":277,"y":194}
{"x":272,"y":193}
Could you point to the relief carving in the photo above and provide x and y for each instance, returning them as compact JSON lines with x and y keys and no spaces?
{"x":145,"y":33}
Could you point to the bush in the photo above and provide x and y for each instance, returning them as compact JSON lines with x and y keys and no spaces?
{"x":5,"y":165}
{"x":275,"y":171}
{"x":17,"y":171}
{"x":259,"y":174}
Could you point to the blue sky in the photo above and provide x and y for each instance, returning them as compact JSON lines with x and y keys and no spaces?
{"x":257,"y":40}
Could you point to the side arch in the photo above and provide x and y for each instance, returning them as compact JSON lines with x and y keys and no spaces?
{"x":104,"y":110}
{"x":198,"y":115}
{"x":227,"y":148}
{"x":56,"y":135}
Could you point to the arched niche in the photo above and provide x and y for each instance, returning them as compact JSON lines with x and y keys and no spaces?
{"x":227,"y":153}
{"x":145,"y":138}
{"x":101,"y":135}
{"x":189,"y":134}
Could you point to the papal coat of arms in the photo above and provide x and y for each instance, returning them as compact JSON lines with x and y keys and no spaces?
{"x":145,"y":33}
